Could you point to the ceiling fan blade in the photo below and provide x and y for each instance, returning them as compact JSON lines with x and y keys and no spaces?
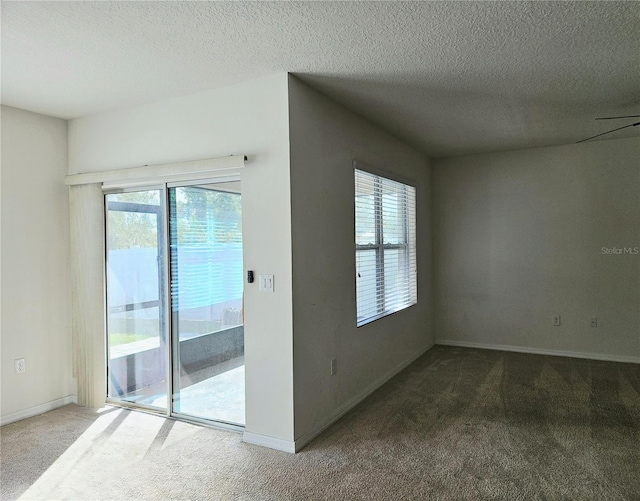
{"x":615,"y":118}
{"x":609,"y":132}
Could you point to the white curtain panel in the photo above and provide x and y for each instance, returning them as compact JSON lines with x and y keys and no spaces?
{"x":87,"y":281}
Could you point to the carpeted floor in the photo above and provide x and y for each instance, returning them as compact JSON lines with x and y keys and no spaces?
{"x":457,"y":424}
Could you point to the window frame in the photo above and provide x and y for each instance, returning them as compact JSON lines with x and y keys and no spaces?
{"x":380,"y":247}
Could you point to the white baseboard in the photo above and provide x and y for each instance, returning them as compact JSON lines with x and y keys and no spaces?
{"x":540,"y":351}
{"x":350,"y":404}
{"x":38,"y":409}
{"x":270,"y":442}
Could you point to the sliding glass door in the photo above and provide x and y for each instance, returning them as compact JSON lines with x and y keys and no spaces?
{"x":175,"y":326}
{"x":137,"y":337}
{"x":206,"y":298}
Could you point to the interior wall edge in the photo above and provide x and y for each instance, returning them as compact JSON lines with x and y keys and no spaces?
{"x":325,"y":138}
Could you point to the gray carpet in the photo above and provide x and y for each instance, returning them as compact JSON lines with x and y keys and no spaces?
{"x":457,"y":424}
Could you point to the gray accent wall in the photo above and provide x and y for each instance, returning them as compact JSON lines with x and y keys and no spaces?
{"x":325,"y":138}
{"x":522,"y":236}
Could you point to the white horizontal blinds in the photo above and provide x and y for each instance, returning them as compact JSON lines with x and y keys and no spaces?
{"x":369,"y":292}
{"x":385,"y":246}
{"x":206,"y":247}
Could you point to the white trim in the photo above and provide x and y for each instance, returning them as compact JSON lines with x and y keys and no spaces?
{"x":541,"y":351}
{"x":270,"y":442}
{"x":137,"y":175}
{"x":350,"y":404}
{"x":38,"y":409}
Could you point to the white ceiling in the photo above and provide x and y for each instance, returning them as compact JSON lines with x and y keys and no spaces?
{"x":451,"y":78}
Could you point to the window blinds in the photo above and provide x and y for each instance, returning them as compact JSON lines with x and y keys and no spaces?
{"x":385,"y":237}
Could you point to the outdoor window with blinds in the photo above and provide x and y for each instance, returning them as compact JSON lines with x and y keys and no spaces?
{"x":385,"y":212}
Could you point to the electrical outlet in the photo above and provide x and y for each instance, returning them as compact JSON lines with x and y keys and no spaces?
{"x":556,"y":321}
{"x":20,"y":365}
{"x":594,"y":322}
{"x":334,"y":366}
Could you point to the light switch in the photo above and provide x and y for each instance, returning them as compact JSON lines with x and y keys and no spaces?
{"x":266,"y":283}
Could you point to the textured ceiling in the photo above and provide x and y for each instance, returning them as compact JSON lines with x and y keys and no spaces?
{"x":448,"y":77}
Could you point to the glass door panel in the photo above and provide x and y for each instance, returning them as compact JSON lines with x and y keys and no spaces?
{"x":206,"y":296}
{"x":136,"y":330}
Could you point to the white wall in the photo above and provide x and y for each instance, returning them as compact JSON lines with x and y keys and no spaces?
{"x":325,"y":139}
{"x":251,"y":119}
{"x":35,"y":264}
{"x":518,"y":238}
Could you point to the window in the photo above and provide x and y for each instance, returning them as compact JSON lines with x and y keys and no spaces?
{"x":385,"y":213}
